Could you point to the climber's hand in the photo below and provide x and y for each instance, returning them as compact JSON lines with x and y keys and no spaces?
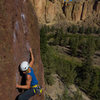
{"x":17,"y":86}
{"x":30,"y":49}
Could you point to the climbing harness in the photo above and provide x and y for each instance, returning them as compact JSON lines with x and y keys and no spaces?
{"x":37,"y":89}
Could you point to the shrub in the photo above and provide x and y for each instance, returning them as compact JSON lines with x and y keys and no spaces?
{"x":74,"y":43}
{"x":98,"y":31}
{"x":81,"y":29}
{"x":65,"y":70}
{"x":73,"y":29}
{"x":89,"y":30}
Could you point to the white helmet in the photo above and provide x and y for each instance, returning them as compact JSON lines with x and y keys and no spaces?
{"x":24,"y":66}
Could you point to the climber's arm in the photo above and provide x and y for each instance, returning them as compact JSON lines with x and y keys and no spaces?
{"x":32,"y":58}
{"x":28,"y":82}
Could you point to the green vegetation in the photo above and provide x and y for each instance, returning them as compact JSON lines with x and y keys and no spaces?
{"x":81,"y":29}
{"x":83,"y":73}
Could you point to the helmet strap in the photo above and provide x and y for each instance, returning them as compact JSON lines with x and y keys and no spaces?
{"x":27,"y":71}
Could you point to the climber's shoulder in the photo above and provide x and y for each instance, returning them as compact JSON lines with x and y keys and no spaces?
{"x":30,"y":65}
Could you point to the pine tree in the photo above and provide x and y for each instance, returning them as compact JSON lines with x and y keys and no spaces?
{"x":94,"y":85}
{"x":43,"y":40}
{"x":81,"y":29}
{"x":85,"y":71}
{"x":74,"y":42}
{"x":98,"y":31}
{"x":75,"y":29}
{"x":88,"y":30}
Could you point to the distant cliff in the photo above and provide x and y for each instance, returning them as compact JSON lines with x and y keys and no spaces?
{"x":50,"y":11}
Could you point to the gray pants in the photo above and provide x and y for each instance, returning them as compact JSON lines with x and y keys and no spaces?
{"x":26,"y":95}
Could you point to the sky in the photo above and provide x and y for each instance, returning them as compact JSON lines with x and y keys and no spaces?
{"x":69,"y":0}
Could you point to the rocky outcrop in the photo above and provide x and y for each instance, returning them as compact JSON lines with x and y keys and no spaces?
{"x":39,"y":6}
{"x":18,"y":32}
{"x":84,"y":11}
{"x":76,"y":11}
{"x":57,"y":89}
{"x":53,"y":11}
{"x":80,"y":10}
{"x":98,"y":7}
{"x":68,"y":11}
{"x":50,"y":11}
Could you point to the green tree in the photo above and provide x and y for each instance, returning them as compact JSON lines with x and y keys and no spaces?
{"x":75,"y":29}
{"x":52,"y":29}
{"x":94,"y":29}
{"x":88,"y":49}
{"x":85,"y":72}
{"x":98,"y":31}
{"x":43,"y":40}
{"x":59,"y":35}
{"x":65,"y":95}
{"x":65,"y":70}
{"x":49,"y":65}
{"x":94,"y":84}
{"x":74,"y":42}
{"x":88,"y":30}
{"x":97,"y":42}
{"x":65,"y":40}
{"x":69,"y":29}
{"x":81,"y":29}
{"x":77,"y":96}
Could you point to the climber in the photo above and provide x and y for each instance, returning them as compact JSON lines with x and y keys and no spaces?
{"x":31,"y":81}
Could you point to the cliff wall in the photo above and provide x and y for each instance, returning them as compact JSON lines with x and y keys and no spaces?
{"x":52,"y":11}
{"x":18,"y":32}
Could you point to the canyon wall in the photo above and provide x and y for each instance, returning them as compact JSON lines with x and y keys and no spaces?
{"x":56,"y":10}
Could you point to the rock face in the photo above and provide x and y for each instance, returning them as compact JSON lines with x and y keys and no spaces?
{"x":18,"y":32}
{"x":39,"y":6}
{"x":84,"y":11}
{"x":50,"y":11}
{"x":68,"y":11}
{"x":98,"y":7}
{"x":53,"y":11}
{"x":76,"y":12}
{"x":56,"y":89}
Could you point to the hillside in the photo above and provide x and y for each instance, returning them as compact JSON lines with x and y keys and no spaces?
{"x":74,"y":57}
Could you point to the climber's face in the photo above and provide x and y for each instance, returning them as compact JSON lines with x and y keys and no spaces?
{"x":24,"y":72}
